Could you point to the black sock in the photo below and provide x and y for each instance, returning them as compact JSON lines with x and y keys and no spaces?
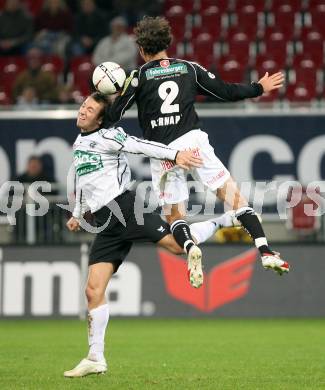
{"x":247,"y":217}
{"x":182,"y":234}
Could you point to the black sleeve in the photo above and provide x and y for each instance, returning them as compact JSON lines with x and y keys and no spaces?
{"x":124,"y":101}
{"x":210,"y":84}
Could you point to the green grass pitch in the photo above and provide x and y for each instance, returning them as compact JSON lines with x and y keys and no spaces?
{"x":168,"y":354}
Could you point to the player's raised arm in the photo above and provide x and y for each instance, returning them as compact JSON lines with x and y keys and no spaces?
{"x":121,"y":141}
{"x":211,"y":84}
{"x":124,"y":100}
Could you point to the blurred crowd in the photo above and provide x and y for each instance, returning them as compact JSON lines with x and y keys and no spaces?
{"x":61,"y":30}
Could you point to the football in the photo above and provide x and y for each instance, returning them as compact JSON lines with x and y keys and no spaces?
{"x":108,"y":78}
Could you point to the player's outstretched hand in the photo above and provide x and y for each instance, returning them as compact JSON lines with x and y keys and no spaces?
{"x":73,"y":224}
{"x":269,"y":83}
{"x":187,"y":159}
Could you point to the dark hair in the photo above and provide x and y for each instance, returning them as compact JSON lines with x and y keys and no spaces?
{"x":104,"y":101}
{"x":153,"y":34}
{"x":34,"y":157}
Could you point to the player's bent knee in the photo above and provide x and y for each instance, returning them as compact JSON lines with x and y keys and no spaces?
{"x":94,"y":294}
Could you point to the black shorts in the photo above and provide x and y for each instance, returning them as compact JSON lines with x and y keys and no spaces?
{"x":114,"y":243}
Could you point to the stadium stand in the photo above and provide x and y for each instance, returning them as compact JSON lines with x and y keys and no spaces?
{"x":241,"y":39}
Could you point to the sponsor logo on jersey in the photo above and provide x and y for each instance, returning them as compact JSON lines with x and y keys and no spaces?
{"x":225,"y":283}
{"x":167,"y":165}
{"x":161,"y":229}
{"x":87,"y":162}
{"x":217,"y":177}
{"x":163,"y":71}
{"x":164,"y":63}
{"x":120,"y":137}
{"x":211,"y":75}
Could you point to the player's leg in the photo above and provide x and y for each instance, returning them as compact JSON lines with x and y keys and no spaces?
{"x":202,"y":231}
{"x":229,"y":193}
{"x":98,"y":308}
{"x":217,"y":178}
{"x":98,"y":315}
{"x":170,"y":185}
{"x":171,"y":189}
{"x":175,"y":215}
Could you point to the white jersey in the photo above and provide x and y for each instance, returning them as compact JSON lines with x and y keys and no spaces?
{"x":102,"y":168}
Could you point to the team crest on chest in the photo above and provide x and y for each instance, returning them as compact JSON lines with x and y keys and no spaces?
{"x":164,"y":63}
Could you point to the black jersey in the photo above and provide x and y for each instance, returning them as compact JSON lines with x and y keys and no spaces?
{"x":165,"y":92}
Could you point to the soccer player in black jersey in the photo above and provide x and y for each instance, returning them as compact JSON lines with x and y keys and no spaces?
{"x":164,"y":90}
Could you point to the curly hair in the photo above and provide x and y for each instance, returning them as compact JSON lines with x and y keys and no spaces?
{"x":153,"y":34}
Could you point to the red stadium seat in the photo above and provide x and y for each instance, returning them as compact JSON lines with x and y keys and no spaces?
{"x":239,"y":46}
{"x":275,"y":45}
{"x":267,"y":63}
{"x":229,"y":34}
{"x":204,"y":42}
{"x":10,"y":67}
{"x":296,"y":5}
{"x":210,"y":22}
{"x":177,"y":18}
{"x":258,"y":5}
{"x":307,"y":73}
{"x":284,"y":19}
{"x":318,"y":18}
{"x":223,"y":5}
{"x":34,"y":6}
{"x":299,"y":60}
{"x":247,"y":20}
{"x":53,"y":64}
{"x":313,"y":44}
{"x":19,"y":61}
{"x":297,"y":219}
{"x":8,"y":77}
{"x":5,"y":99}
{"x":307,"y":31}
{"x":203,"y":49}
{"x":315,"y":3}
{"x":188,"y":6}
{"x":81,"y":68}
{"x":231,"y":70}
{"x":300,"y":93}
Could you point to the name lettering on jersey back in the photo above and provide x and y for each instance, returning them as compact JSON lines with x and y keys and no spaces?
{"x":165,"y":121}
{"x":163,"y":71}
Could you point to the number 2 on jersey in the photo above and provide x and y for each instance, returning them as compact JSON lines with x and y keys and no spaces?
{"x":168,"y":92}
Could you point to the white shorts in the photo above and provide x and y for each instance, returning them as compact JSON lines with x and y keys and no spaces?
{"x":170,"y":181}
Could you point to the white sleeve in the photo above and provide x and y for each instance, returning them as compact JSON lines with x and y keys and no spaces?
{"x":80,"y":205}
{"x":118,"y":140}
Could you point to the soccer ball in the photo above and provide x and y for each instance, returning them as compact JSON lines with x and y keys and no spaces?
{"x":108,"y":78}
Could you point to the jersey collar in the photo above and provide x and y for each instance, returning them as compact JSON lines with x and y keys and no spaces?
{"x":89,"y":132}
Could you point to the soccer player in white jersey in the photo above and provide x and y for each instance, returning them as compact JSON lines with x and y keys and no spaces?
{"x":103,"y":178}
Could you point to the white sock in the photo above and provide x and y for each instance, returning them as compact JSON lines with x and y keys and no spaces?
{"x":201,"y":231}
{"x":97,"y":323}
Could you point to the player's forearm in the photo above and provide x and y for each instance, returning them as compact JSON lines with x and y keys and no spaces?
{"x":149,"y":149}
{"x":80,"y":205}
{"x":237,"y":92}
